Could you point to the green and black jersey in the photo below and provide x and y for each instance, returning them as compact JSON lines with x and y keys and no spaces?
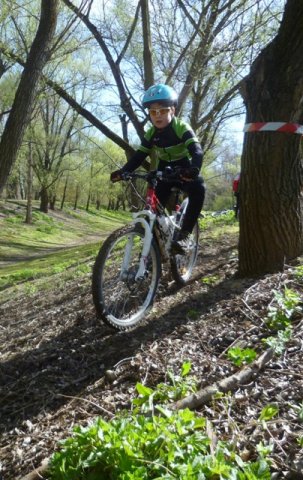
{"x":175,"y":144}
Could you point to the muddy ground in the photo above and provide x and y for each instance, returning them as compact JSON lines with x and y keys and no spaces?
{"x":55,"y":352}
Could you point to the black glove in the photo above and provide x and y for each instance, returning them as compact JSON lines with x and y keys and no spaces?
{"x":116,"y":176}
{"x":189,"y":173}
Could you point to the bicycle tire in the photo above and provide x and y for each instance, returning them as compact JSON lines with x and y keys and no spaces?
{"x":122,"y":302}
{"x":182,"y":265}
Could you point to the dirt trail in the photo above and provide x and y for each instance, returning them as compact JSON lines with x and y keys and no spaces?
{"x":55,"y":353}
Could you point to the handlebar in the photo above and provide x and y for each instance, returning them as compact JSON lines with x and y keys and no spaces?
{"x":148,"y":176}
{"x":169,"y":174}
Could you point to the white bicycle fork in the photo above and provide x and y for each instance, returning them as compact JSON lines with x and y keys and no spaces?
{"x":148,"y":236}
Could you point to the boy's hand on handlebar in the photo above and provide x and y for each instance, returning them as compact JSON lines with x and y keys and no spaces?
{"x":116,"y":176}
{"x":189,"y":173}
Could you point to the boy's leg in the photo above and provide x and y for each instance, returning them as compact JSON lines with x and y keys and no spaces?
{"x":163,"y":190}
{"x":196,"y":193}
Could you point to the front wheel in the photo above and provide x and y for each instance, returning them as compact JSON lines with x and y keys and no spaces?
{"x":122,"y":300}
{"x":182,"y":265}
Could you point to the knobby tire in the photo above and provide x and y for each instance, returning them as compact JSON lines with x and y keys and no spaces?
{"x":120,"y":300}
{"x":182,"y":265}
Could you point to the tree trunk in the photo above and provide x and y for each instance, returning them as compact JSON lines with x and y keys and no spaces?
{"x":76,"y":197}
{"x":88,"y":201}
{"x":271,"y":213}
{"x":20,"y":190}
{"x":64,"y":193}
{"x":3,"y":67}
{"x":52,"y":201}
{"x":124,"y":126}
{"x":147,"y":46}
{"x":90,"y":186}
{"x":44,"y":200}
{"x":20,"y":113}
{"x":29,"y":209}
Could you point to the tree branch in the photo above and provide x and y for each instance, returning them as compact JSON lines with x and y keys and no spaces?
{"x":228,"y":384}
{"x":115,"y":69}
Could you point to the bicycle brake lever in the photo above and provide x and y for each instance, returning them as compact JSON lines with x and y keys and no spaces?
{"x":125,"y":175}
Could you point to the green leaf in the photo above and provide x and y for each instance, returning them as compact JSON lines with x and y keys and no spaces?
{"x":186,"y":367}
{"x":165,"y":411}
{"x":239,"y":355}
{"x":300,"y":441}
{"x":269,"y":412}
{"x":143,"y":390}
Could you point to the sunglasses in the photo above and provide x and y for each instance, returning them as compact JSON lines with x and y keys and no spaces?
{"x":155,"y":112}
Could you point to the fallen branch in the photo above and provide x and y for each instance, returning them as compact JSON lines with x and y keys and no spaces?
{"x":228,"y":384}
{"x":37,"y":474}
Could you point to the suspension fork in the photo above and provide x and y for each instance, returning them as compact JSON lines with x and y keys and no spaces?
{"x":147,"y":240}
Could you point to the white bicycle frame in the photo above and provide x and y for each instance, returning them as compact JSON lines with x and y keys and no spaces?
{"x":140,"y":218}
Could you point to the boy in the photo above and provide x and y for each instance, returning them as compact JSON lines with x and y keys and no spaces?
{"x":175,"y":145}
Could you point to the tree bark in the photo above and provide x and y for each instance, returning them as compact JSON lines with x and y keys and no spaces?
{"x":271,"y":213}
{"x":20,"y":113}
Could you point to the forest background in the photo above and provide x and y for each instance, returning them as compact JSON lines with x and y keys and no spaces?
{"x":99,"y":58}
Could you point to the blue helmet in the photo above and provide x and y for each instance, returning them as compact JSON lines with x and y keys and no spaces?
{"x":160,"y":94}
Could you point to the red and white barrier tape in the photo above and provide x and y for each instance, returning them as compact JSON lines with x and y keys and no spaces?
{"x":274,"y":127}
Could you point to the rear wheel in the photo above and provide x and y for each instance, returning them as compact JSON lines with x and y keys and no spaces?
{"x":120,"y":299}
{"x":182,"y":265}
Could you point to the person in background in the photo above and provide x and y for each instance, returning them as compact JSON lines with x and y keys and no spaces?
{"x":236,"y":192}
{"x":175,"y":145}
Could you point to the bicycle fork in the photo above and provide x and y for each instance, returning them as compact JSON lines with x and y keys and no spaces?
{"x":148,"y":236}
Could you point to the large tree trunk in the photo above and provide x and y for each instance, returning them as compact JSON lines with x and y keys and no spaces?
{"x":271,"y":208}
{"x":21,"y":109}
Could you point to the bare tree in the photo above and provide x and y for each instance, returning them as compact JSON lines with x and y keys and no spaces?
{"x":271,"y":185}
{"x":21,"y":109}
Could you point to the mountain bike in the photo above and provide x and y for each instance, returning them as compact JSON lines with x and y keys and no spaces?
{"x":128,"y":266}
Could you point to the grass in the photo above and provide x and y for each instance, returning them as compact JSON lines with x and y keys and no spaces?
{"x":62,"y":245}
{"x":47,"y":273}
{"x":48,"y":264}
{"x":217,"y":225}
{"x":55,"y":244}
{"x":51,"y":230}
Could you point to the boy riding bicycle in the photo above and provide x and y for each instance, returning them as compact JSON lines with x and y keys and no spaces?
{"x":175,"y":145}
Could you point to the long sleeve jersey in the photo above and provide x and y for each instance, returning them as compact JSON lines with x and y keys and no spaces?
{"x":175,"y":145}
